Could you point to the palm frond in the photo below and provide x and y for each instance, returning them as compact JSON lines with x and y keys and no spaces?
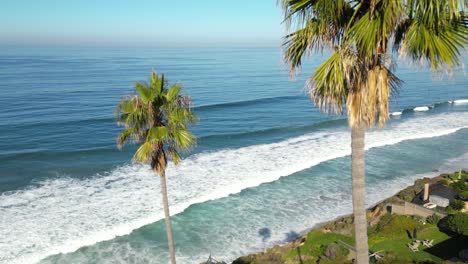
{"x":301,"y":11}
{"x":143,"y":153}
{"x":330,"y":82}
{"x":157,"y":134}
{"x":174,"y":155}
{"x":124,"y":136}
{"x":183,"y":139}
{"x":372,"y":32}
{"x":131,"y":112}
{"x":144,"y":91}
{"x":436,"y":33}
{"x":367,"y":103}
{"x":301,"y":41}
{"x":173,"y":92}
{"x":401,"y":30}
{"x":424,"y":44}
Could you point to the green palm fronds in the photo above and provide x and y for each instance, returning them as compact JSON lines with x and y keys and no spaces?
{"x":362,"y":35}
{"x":158,"y":116}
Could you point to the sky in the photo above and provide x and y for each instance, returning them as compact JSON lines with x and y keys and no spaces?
{"x":145,"y":23}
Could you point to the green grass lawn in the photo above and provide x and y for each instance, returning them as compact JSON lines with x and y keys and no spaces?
{"x":393,"y":238}
{"x":390,"y":237}
{"x":315,"y":245}
{"x":398,"y":245}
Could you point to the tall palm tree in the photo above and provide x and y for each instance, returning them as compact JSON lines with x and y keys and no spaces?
{"x":157,"y":116}
{"x":362,"y":35}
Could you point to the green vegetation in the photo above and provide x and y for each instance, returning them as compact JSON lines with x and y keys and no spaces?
{"x":458,"y":181}
{"x":389,"y":236}
{"x":463,"y":195}
{"x":457,"y":205}
{"x":409,"y":193}
{"x":393,"y":226}
{"x":397,"y":233}
{"x":433,"y":219}
{"x":157,"y":116}
{"x":317,"y":242}
{"x":458,"y":223}
{"x":457,"y":176}
{"x":459,"y":186}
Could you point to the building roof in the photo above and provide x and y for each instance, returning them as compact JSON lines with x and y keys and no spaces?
{"x":437,"y":189}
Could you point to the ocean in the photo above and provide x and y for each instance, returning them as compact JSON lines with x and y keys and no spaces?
{"x":265,"y":157}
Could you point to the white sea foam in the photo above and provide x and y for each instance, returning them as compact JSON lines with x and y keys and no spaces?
{"x":421,"y":108}
{"x":65,"y":214}
{"x":396,"y":113}
{"x":461,"y":101}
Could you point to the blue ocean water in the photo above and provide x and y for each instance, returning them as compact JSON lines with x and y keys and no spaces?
{"x":265,"y":158}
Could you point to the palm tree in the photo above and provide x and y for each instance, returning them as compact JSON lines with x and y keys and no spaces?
{"x":158,"y":116}
{"x":362,"y":35}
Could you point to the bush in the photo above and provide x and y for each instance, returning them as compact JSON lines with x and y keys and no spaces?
{"x":390,"y":258}
{"x":453,"y":176}
{"x":463,"y":195}
{"x":446,"y":181}
{"x":459,"y":186}
{"x":458,"y":223}
{"x":433,"y":219}
{"x":457,"y":205}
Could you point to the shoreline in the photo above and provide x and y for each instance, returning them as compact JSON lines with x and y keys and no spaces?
{"x":374,"y":212}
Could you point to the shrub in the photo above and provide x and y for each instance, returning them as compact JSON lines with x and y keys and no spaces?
{"x":457,"y":205}
{"x":463,"y":195}
{"x":449,"y":210}
{"x":453,"y":176}
{"x":458,"y":223}
{"x":390,"y":258}
{"x":433,"y":219}
{"x":459,"y":186}
{"x":446,"y":181}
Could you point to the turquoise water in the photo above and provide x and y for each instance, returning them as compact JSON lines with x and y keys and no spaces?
{"x":266,"y":158}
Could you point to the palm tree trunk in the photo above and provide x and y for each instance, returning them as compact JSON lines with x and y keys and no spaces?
{"x":359,"y":193}
{"x":167,"y":218}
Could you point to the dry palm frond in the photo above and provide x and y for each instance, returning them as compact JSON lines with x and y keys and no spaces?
{"x":367,"y":103}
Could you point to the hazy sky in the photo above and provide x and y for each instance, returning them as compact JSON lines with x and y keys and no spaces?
{"x":140,"y":23}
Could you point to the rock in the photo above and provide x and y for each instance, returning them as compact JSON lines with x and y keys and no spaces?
{"x":302,"y":241}
{"x":331,"y":251}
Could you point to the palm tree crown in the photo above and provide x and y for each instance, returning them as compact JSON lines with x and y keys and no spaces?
{"x":362,"y":35}
{"x":158,"y":116}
